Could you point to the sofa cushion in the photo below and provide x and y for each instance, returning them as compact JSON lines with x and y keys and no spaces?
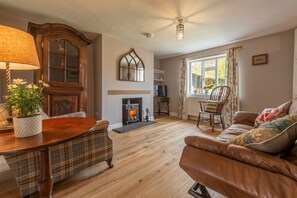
{"x":233,"y":131}
{"x":275,"y":137}
{"x":291,"y":155}
{"x":242,"y":154}
{"x":271,"y":114}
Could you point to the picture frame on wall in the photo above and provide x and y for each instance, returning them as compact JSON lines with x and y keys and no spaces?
{"x":260,"y":59}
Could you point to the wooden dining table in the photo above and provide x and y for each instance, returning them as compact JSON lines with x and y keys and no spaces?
{"x":54,"y":131}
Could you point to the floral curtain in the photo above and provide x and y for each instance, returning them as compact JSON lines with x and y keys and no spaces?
{"x":182,"y":91}
{"x":232,"y":81}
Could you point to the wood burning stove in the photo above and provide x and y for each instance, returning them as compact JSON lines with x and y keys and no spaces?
{"x":132,"y":110}
{"x":131,"y":113}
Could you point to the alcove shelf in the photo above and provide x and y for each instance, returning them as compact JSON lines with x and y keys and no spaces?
{"x":158,"y":76}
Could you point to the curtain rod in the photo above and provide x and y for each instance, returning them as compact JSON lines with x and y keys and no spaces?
{"x":200,"y":55}
{"x":237,"y":47}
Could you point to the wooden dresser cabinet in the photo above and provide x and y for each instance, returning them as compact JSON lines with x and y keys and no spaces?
{"x":62,"y":53}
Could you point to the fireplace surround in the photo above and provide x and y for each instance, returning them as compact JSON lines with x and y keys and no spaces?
{"x":131,"y":110}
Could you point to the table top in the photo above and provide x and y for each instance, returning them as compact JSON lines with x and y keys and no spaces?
{"x":54,"y":131}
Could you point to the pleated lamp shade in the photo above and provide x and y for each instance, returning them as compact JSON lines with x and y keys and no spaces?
{"x":17,"y":48}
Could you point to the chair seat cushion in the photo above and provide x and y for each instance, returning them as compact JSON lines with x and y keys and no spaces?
{"x":212,"y":106}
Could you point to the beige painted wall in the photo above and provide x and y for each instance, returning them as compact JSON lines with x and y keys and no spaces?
{"x":157,"y":64}
{"x":112,"y":50}
{"x":260,"y":86}
{"x":102,"y":73}
{"x":98,"y":78}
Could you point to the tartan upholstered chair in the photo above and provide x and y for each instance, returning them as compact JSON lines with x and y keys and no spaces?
{"x":67,"y":158}
{"x":214,"y":105}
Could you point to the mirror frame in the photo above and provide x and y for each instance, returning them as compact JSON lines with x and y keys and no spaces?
{"x":130,"y":58}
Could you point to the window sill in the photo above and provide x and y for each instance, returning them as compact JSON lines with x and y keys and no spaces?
{"x":202,"y":96}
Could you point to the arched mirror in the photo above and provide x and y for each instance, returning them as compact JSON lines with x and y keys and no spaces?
{"x":131,"y":67}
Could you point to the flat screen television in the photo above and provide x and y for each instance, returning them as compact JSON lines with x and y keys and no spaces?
{"x":161,"y":90}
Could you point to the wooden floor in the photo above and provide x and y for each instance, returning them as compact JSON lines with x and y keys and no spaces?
{"x":145,"y":165}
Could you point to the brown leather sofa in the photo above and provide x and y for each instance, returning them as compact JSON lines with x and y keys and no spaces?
{"x":238,"y":171}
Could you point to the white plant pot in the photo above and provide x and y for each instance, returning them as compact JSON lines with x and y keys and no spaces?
{"x":26,"y":127}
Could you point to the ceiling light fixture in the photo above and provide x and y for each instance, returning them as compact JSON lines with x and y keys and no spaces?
{"x":180,"y":30}
{"x":148,"y":35}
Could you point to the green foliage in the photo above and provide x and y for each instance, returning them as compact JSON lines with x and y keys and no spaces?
{"x":209,"y":86}
{"x":25,"y":100}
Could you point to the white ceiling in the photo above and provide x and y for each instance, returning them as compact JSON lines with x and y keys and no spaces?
{"x":208,"y":23}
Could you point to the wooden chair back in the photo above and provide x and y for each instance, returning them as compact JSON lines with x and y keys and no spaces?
{"x":220,"y":94}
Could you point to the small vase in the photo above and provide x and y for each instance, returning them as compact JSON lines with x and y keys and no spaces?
{"x":26,"y":127}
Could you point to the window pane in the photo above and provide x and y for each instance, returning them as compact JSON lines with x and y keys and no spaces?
{"x":205,"y":74}
{"x":210,"y":63}
{"x":132,"y":72}
{"x":72,"y":62}
{"x":196,"y":84}
{"x":57,"y":60}
{"x":210,"y":80}
{"x":221,"y":71}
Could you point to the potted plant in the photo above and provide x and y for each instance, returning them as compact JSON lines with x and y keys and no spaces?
{"x":25,"y":102}
{"x":208,"y":87}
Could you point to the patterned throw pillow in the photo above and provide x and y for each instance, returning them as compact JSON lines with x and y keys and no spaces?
{"x":278,"y":144}
{"x":254,"y":136}
{"x":270,"y":114}
{"x":284,"y":122}
{"x":270,"y":125}
{"x":211,"y":106}
{"x":268,"y":132}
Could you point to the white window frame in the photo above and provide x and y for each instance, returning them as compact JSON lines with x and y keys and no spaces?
{"x":203,"y":59}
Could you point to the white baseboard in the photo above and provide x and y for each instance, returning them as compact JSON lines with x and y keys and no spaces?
{"x":184,"y":117}
{"x":173,"y":114}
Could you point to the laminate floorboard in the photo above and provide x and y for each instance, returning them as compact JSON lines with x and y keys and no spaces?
{"x":145,"y":165}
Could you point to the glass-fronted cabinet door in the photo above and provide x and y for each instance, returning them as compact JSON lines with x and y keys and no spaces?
{"x":62,"y":52}
{"x":63,"y":61}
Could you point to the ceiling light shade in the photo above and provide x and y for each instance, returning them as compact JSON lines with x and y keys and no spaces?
{"x":17,"y":50}
{"x":180,"y":30}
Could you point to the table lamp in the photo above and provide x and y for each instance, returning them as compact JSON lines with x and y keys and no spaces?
{"x":17,"y":51}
